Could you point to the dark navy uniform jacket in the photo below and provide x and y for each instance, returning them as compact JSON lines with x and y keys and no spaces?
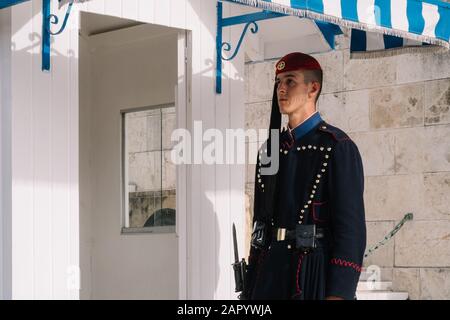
{"x":320,"y":181}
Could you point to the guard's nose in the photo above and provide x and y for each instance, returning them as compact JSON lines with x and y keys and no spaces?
{"x":281,"y":87}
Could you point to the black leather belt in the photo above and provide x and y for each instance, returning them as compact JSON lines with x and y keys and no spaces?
{"x":281,"y":234}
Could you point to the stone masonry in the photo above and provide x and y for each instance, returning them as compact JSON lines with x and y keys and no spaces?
{"x":396,"y":109}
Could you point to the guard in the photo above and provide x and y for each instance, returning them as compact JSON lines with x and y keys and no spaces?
{"x":309,"y":232}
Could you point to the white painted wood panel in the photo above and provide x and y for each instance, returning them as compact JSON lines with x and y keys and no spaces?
{"x":60,"y":160}
{"x":146,"y":9}
{"x":229,"y":178}
{"x":73,"y":272}
{"x":5,"y":154}
{"x":23,"y":255}
{"x":86,"y":168}
{"x":195,"y":192}
{"x":178,"y":14}
{"x":42,"y":148}
{"x":223,"y":234}
{"x":96,"y":6}
{"x":130,"y":9}
{"x":44,"y":160}
{"x":113,"y":8}
{"x":236,"y":110}
{"x":82,"y":6}
{"x":162,"y":12}
{"x":208,"y":180}
{"x":45,"y":152}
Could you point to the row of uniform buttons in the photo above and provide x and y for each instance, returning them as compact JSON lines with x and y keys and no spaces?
{"x":300,"y":148}
{"x":259,"y":169}
{"x":304,"y":147}
{"x":323,"y":166}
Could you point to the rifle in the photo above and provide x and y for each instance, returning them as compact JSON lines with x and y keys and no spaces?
{"x":239,"y":268}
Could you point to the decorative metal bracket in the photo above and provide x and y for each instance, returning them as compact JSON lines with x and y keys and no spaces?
{"x":248,"y":19}
{"x":328,"y":30}
{"x":228,"y":46}
{"x":47,"y":20}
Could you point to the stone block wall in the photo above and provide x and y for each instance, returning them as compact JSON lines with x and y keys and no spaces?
{"x":396,"y":109}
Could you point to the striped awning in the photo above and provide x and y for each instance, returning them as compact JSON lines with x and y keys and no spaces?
{"x":9,"y":3}
{"x":377,"y":25}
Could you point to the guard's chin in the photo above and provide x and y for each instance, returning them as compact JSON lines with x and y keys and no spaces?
{"x":283,"y":110}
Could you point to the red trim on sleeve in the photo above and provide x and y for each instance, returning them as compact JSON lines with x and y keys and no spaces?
{"x":344,"y":263}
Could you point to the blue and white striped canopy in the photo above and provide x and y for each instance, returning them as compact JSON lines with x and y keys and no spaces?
{"x":376,"y":24}
{"x":9,"y":3}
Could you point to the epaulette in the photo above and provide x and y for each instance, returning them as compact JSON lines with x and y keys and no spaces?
{"x":336,"y":133}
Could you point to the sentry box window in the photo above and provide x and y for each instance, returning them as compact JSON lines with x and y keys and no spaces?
{"x":148,"y":175}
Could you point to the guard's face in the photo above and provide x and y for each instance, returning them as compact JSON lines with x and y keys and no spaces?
{"x":292,"y":92}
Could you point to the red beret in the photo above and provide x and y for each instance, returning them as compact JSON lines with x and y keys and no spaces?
{"x":296,"y":61}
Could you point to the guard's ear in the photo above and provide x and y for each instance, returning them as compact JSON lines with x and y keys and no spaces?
{"x":313,"y":89}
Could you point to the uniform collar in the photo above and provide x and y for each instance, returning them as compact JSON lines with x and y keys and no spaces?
{"x":306,"y":126}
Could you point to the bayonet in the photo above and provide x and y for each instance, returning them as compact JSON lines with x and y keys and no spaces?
{"x":239,"y":267}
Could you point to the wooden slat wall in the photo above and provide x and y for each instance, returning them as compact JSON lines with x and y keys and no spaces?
{"x":194,"y":232}
{"x":209,"y":209}
{"x":236,"y":112}
{"x":45,"y":238}
{"x":73,"y":281}
{"x":5,"y":151}
{"x":45,"y":149}
{"x":23,"y":155}
{"x":223,"y":172}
